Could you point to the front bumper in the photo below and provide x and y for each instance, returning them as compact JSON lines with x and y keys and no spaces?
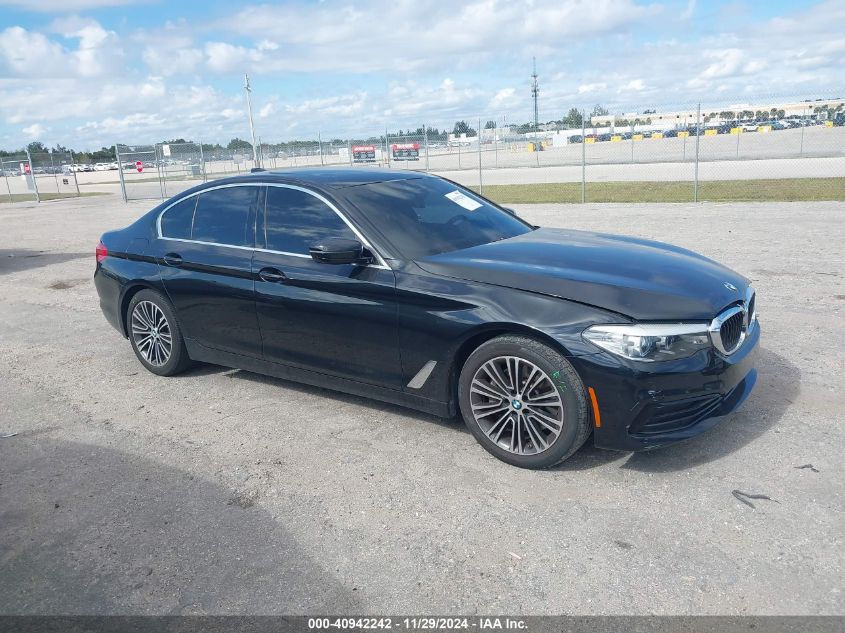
{"x":648,"y":405}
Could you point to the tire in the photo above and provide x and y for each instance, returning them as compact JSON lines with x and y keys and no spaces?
{"x":150,"y":343}
{"x":516,"y":431}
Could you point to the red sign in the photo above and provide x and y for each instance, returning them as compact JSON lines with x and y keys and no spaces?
{"x":26,"y":169}
{"x":405,"y":151}
{"x":139,"y":166}
{"x":364,"y":153}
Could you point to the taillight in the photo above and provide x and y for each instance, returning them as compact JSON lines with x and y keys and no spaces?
{"x":101,"y":252}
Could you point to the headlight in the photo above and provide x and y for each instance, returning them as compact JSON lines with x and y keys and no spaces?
{"x":650,"y":341}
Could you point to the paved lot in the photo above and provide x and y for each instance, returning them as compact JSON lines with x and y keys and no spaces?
{"x":222,"y":491}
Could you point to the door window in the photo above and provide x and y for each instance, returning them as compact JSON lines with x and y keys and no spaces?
{"x":295,"y":220}
{"x":226,"y":216}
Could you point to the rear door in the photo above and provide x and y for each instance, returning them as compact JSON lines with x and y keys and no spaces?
{"x":205,"y":254}
{"x":337,"y":319}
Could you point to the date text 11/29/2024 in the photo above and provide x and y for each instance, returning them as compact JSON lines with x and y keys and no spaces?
{"x":418,"y":623}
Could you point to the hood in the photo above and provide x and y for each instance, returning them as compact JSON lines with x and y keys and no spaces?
{"x":643,"y":279}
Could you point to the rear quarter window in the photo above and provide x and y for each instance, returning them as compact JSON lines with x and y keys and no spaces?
{"x":176,"y":221}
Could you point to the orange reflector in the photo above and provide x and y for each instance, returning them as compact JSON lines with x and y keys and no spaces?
{"x":596,"y":413}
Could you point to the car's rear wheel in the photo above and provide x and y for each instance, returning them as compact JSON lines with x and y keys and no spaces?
{"x":155,"y":334}
{"x":523,"y":402}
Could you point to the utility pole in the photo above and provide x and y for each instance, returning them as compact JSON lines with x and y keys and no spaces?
{"x":251,"y":125}
{"x":535,"y":92}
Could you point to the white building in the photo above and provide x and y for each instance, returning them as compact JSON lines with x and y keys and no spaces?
{"x":713,"y":115}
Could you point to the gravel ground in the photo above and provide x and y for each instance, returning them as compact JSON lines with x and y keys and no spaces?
{"x":222,"y":491}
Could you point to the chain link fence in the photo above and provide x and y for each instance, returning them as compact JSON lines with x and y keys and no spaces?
{"x":780,"y":151}
{"x":38,"y":177}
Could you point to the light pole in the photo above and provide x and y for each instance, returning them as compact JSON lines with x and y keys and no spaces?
{"x":251,"y":125}
{"x":535,"y":93}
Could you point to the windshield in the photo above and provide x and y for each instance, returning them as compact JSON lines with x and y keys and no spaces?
{"x":428,"y":216}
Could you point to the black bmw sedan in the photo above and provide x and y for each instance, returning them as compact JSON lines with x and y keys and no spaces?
{"x":408,"y":288}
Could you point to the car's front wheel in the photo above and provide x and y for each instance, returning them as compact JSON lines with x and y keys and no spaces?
{"x":155,"y":334}
{"x":523,"y":402}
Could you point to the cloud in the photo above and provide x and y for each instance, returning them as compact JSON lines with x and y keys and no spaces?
{"x":26,"y":53}
{"x":504,"y":98}
{"x":593,"y":87}
{"x":426,"y":103}
{"x":173,"y":60}
{"x":222,"y":57}
{"x":635,"y":85}
{"x":34,"y":131}
{"x":32,"y":54}
{"x":358,"y":67}
{"x":93,"y":113}
{"x":379,"y":35}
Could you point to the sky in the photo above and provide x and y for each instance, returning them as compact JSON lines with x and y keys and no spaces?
{"x":90,"y":73}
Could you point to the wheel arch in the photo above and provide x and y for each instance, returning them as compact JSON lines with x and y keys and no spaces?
{"x":480,"y":335}
{"x":130,"y":290}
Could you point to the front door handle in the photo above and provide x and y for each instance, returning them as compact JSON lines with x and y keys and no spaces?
{"x":173,"y":259}
{"x":272,"y":275}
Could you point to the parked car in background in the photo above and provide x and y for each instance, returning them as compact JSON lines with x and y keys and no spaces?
{"x":576,"y":138}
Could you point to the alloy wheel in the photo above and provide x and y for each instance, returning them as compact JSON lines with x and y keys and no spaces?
{"x":151,"y":333}
{"x":517,"y":405}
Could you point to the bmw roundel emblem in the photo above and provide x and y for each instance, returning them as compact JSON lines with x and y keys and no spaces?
{"x":730,"y":286}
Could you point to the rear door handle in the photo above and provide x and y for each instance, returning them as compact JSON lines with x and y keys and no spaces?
{"x":272,"y":275}
{"x":173,"y":259}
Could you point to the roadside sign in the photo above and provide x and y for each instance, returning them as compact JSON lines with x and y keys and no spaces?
{"x":405,"y":151}
{"x":165,"y":149}
{"x":139,"y":166}
{"x":364,"y":153}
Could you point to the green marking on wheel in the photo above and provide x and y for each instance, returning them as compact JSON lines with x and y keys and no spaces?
{"x":559,"y":380}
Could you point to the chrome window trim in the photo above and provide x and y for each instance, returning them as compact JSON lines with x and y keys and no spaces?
{"x":179,"y":239}
{"x":382,"y":262}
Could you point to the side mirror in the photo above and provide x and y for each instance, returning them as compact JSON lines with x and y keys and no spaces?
{"x":338,"y":251}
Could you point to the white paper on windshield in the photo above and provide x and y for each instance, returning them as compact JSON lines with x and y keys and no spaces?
{"x":465,"y":201}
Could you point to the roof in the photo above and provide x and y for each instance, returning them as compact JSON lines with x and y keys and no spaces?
{"x":319,"y":178}
{"x":337,"y":177}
